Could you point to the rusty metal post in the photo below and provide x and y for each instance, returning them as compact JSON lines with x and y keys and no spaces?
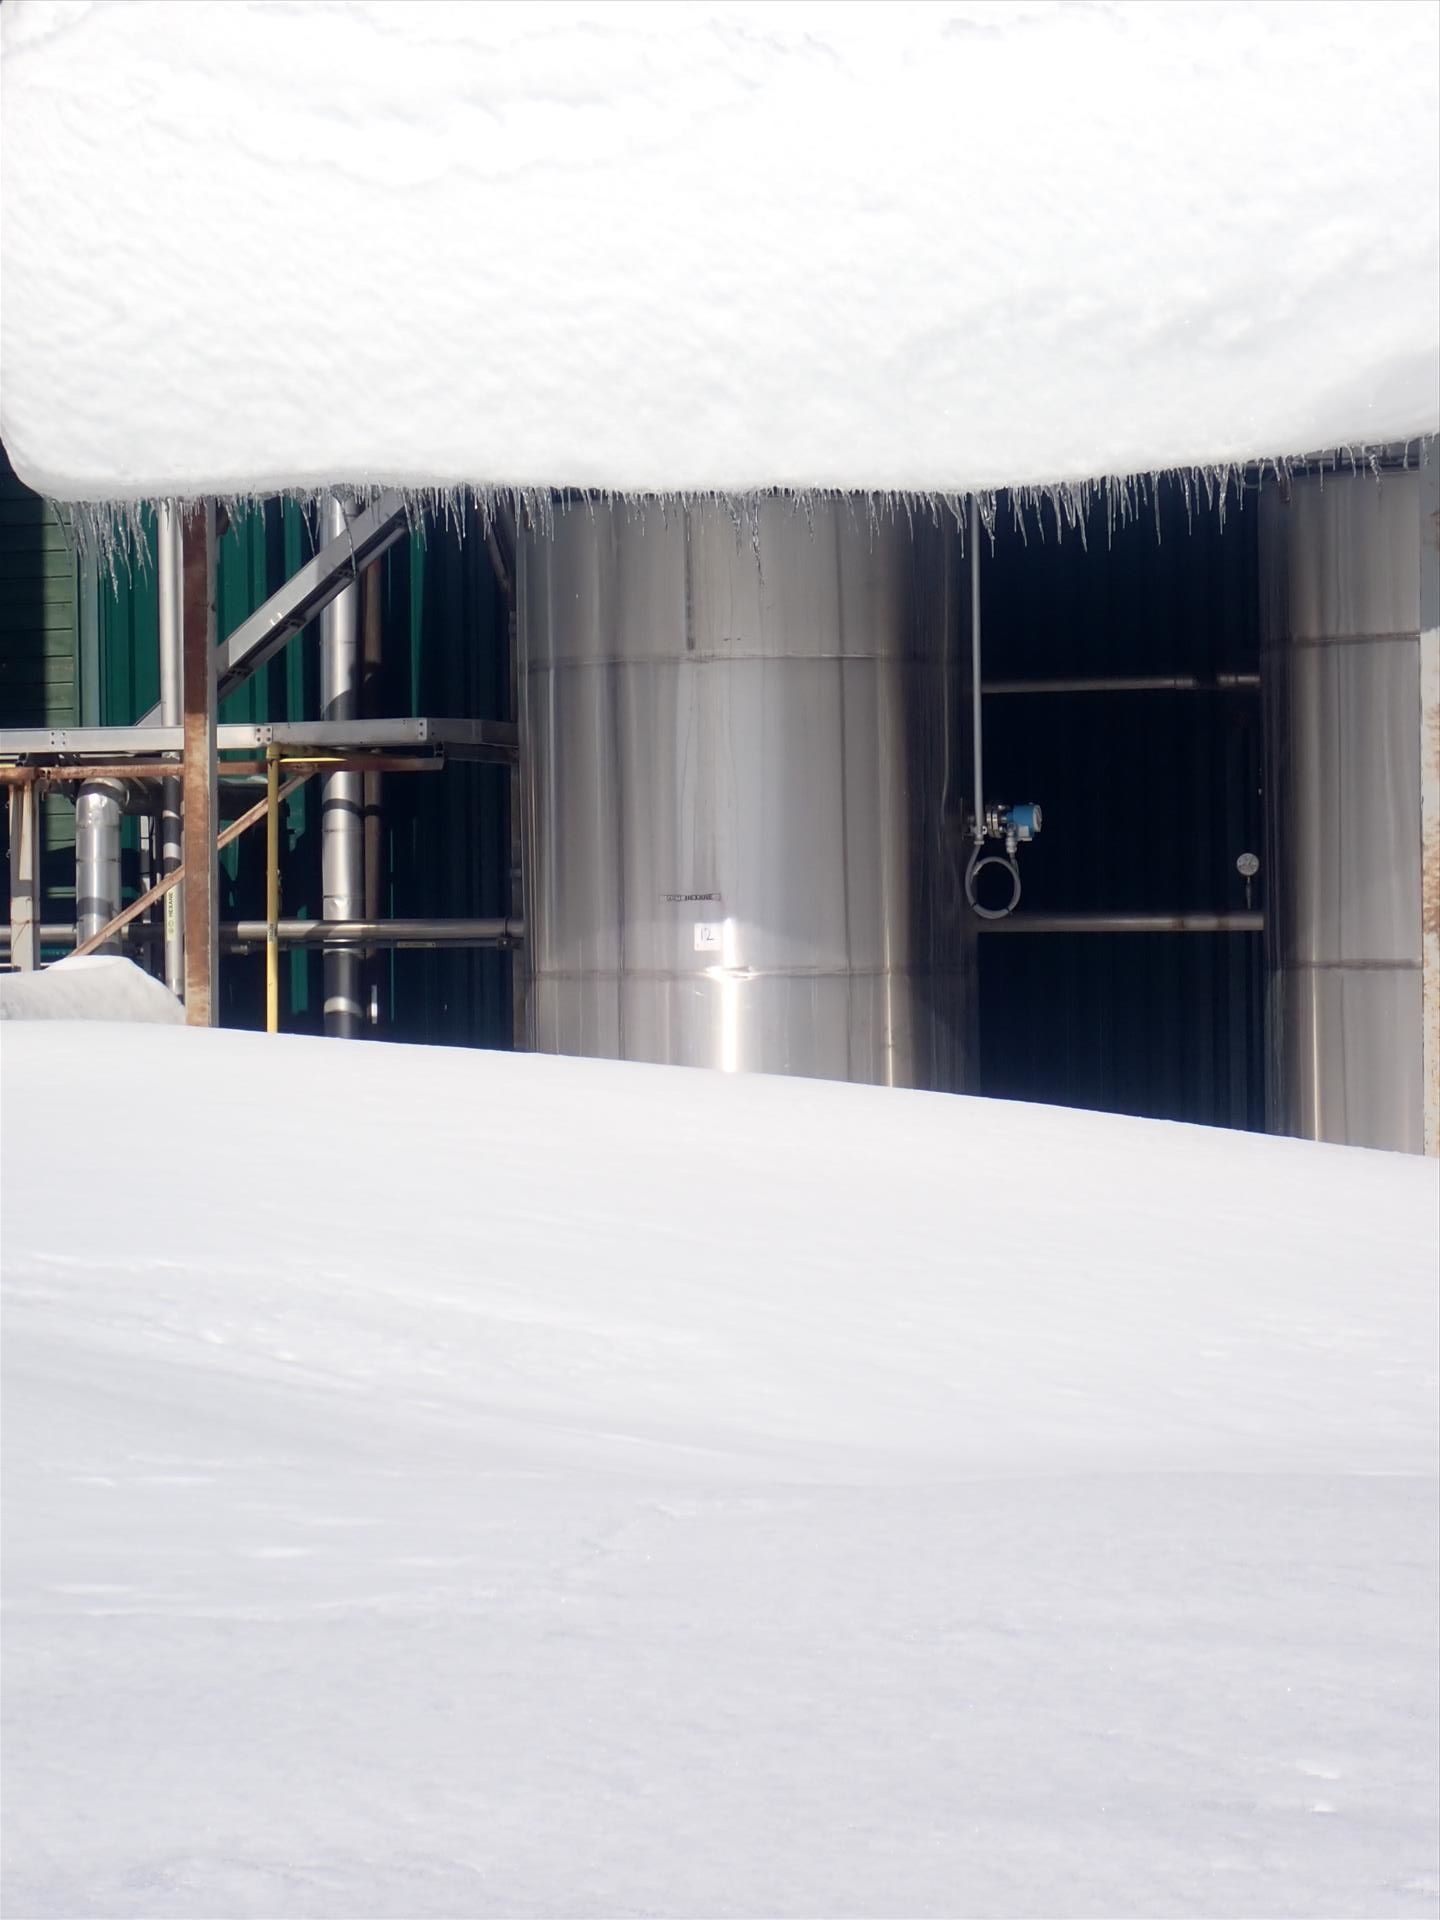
{"x":200,"y":777}
{"x":24,"y":877}
{"x":272,"y":889}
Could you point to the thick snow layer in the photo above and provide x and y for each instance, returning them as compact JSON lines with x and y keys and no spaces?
{"x":935,"y":247}
{"x":93,"y":986}
{"x":440,"y":1483}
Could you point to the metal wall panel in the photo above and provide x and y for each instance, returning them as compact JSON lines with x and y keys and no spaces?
{"x":1148,"y":797}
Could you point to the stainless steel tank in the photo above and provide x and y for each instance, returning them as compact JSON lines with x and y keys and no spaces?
{"x":742,"y":796}
{"x":1341,"y":618}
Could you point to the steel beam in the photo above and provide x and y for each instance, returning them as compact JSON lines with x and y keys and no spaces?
{"x":294,"y":605}
{"x":493,"y":738}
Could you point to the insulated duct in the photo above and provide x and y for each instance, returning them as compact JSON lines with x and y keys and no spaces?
{"x":744,"y":811}
{"x":99,"y":809}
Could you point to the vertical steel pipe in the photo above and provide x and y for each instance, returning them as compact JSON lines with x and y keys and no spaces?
{"x":977,"y":740}
{"x":99,"y":809}
{"x":342,"y":796}
{"x":373,"y":795}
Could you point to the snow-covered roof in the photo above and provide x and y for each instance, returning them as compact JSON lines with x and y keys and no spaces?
{"x":931,"y":248}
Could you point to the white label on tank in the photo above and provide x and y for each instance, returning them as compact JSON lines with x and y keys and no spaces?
{"x":709,"y":936}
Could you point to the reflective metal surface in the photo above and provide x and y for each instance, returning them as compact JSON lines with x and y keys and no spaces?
{"x":99,"y":807}
{"x":342,"y":844}
{"x":1340,"y":577}
{"x":739,"y":763}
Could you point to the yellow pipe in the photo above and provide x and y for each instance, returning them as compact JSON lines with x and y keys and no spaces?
{"x":272,"y":889}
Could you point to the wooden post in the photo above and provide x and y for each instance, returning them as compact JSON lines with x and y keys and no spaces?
{"x":272,"y":889}
{"x":200,"y":777}
{"x":24,"y":877}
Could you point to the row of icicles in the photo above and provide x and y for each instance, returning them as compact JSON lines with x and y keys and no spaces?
{"x":116,"y":531}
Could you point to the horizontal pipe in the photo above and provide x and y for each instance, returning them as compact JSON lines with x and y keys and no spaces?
{"x":1126,"y":923}
{"x":380,"y":933}
{"x":60,"y":933}
{"x":1133,"y":683}
{"x":239,"y":936}
{"x":244,"y":934}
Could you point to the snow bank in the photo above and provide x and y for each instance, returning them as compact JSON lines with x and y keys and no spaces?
{"x":930,"y":248}
{"x":95,"y":986}
{"x":440,"y":1483}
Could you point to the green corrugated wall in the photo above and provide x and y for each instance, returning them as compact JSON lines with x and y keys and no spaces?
{"x":39,"y":657}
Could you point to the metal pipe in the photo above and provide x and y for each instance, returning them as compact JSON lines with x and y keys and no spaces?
{"x":244,"y":936}
{"x":1134,"y":683}
{"x":372,"y":788}
{"x":977,"y":825}
{"x":342,"y":854}
{"x":494,"y":932}
{"x":169,"y":567}
{"x":60,"y":933}
{"x":172,"y":880}
{"x":98,"y":811}
{"x":1127,"y":923}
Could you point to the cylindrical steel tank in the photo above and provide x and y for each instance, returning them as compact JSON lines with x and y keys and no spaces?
{"x":743,"y":801}
{"x":1340,"y":612}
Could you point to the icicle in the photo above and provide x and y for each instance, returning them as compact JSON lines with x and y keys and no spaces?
{"x":115,"y":530}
